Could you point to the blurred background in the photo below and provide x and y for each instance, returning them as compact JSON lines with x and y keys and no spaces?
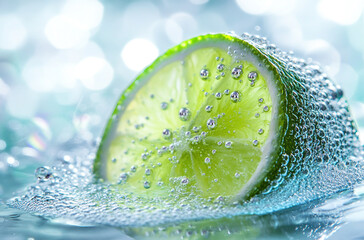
{"x":63,"y":64}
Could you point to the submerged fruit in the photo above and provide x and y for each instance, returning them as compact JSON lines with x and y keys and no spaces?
{"x":225,"y":116}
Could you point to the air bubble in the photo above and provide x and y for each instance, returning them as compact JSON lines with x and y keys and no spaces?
{"x":164,"y":105}
{"x":147,"y":171}
{"x":237,"y":175}
{"x":260,"y":100}
{"x":226,"y":92}
{"x":195,"y":129}
{"x":236,"y":73}
{"x":213,"y":151}
{"x":43,"y":173}
{"x":144,"y":156}
{"x":252,"y":76}
{"x":260,"y":131}
{"x":255,"y":142}
{"x":146,"y":184}
{"x":235,"y":96}
{"x":184,"y":114}
{"x":204,"y":73}
{"x":166,"y":133}
{"x":265,"y":108}
{"x":228,"y":144}
{"x":133,"y":169}
{"x":211,"y":124}
{"x":257,"y":115}
{"x":208,"y":108}
{"x":113,"y":160}
{"x":184,"y":181}
{"x":220,"y":67}
{"x":207,"y":160}
{"x":218,"y":95}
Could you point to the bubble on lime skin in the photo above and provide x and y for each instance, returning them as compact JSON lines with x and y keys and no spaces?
{"x":166,"y":133}
{"x":252,"y":76}
{"x":255,"y":142}
{"x":213,"y":151}
{"x":226,"y":92}
{"x":260,"y":100}
{"x":219,"y":143}
{"x":164,"y":105}
{"x":257,"y":115}
{"x":146,"y":184}
{"x":207,"y":160}
{"x":260,"y":131}
{"x":195,"y":129}
{"x":113,"y":160}
{"x":188,"y":133}
{"x":184,"y":114}
{"x":204,"y":73}
{"x":265,"y":108}
{"x":236,"y":72}
{"x":147,"y":171}
{"x":228,"y":144}
{"x":208,"y":108}
{"x":133,"y":169}
{"x":237,"y":175}
{"x":235,"y":96}
{"x":211,"y":124}
{"x":220,"y":67}
{"x":218,"y":95}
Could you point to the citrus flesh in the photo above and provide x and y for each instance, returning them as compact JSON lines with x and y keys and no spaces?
{"x":199,"y":120}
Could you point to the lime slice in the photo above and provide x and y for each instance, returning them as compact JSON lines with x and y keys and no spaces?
{"x":217,"y":116}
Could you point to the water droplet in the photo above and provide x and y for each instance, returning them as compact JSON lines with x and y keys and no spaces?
{"x":123,"y":176}
{"x":217,"y":58}
{"x":164,"y":105}
{"x":228,"y":144}
{"x":151,"y":96}
{"x":226,"y":92}
{"x":211,"y":124}
{"x":147,"y":171}
{"x":218,"y":95}
{"x":188,"y":133}
{"x":203,"y":134}
{"x":252,"y":76}
{"x":265,"y":108}
{"x":237,"y":175}
{"x":252,"y":83}
{"x":220,"y":199}
{"x":260,"y":131}
{"x":255,"y":142}
{"x":219,"y":143}
{"x":146,"y":184}
{"x":220,"y":67}
{"x":43,"y":173}
{"x":260,"y":100}
{"x":204,"y":73}
{"x":184,"y":114}
{"x":235,"y":96}
{"x":213,"y":151}
{"x":207,"y":160}
{"x":208,"y":108}
{"x":166,"y":133}
{"x":113,"y":160}
{"x":236,"y":72}
{"x":184,"y":181}
{"x":190,"y":84}
{"x":133,"y":168}
{"x":257,"y":115}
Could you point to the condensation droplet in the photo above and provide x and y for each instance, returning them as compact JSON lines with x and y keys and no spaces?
{"x":220,"y":67}
{"x":184,"y":181}
{"x":265,"y":108}
{"x":260,"y":100}
{"x":226,"y":92}
{"x":147,"y":171}
{"x":260,"y":131}
{"x":146,"y":184}
{"x":207,"y":160}
{"x":255,"y":142}
{"x":166,"y":133}
{"x":228,"y":144}
{"x":43,"y":173}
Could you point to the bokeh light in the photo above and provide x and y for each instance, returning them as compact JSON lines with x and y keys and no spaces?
{"x":138,"y":53}
{"x":12,"y":32}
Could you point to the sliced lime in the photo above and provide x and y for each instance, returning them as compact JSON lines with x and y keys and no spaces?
{"x":198,"y":119}
{"x":222,"y":116}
